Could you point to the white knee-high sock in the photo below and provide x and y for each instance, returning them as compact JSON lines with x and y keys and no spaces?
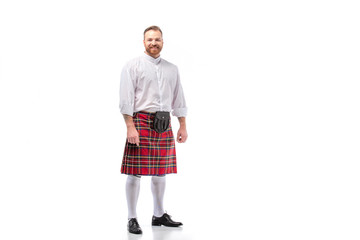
{"x":158,"y":190}
{"x":132,"y":194}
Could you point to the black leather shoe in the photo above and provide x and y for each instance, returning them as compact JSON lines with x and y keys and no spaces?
{"x":165,"y":220}
{"x":134,"y":227}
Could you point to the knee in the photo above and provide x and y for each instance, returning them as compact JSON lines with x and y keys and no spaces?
{"x":158,"y":179}
{"x":133,"y":179}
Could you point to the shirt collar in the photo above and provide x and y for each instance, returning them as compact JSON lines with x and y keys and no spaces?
{"x":151,"y":59}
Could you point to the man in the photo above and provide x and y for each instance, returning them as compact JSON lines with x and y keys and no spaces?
{"x":150,"y":89}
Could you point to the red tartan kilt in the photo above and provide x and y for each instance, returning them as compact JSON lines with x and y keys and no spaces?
{"x":156,"y":154}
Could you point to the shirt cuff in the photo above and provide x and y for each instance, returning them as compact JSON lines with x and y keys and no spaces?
{"x":127,"y":109}
{"x":179,"y":112}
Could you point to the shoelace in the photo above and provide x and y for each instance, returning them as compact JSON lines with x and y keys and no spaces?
{"x":135,"y":223}
{"x":167,"y":214}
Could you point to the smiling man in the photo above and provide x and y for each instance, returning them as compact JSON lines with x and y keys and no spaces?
{"x":150,"y":89}
{"x":153,"y":43}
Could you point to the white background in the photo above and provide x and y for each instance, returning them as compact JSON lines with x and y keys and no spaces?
{"x":273,"y":94}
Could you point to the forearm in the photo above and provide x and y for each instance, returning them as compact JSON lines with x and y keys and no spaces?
{"x":129,"y":121}
{"x":182,"y":133}
{"x":182,"y":122}
{"x":132,"y":133}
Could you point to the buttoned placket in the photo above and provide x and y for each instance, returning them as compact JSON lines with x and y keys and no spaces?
{"x":157,"y":69}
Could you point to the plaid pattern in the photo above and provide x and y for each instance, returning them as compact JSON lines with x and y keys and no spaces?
{"x":156,"y":154}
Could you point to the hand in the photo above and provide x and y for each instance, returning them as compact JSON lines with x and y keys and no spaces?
{"x":181,"y":135}
{"x":133,"y":136}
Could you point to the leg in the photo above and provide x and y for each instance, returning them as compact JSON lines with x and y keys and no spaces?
{"x":132,"y":194}
{"x":160,"y":217}
{"x":158,"y":189}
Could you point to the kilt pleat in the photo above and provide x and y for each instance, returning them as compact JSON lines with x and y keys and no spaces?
{"x":156,"y":154}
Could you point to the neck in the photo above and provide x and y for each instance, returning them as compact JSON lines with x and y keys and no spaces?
{"x":152,"y":55}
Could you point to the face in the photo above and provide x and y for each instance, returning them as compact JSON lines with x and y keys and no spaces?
{"x":153,"y":43}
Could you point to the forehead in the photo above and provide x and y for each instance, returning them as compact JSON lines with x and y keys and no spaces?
{"x":153,"y":34}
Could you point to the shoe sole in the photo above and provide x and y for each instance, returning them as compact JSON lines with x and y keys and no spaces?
{"x":159,"y":224}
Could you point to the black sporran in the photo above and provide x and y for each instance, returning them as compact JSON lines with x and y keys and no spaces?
{"x":161,"y":121}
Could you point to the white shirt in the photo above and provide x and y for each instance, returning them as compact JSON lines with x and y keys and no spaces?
{"x":151,"y":84}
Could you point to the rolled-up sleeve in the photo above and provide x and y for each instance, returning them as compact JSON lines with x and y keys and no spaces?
{"x":127,"y":91}
{"x":179,"y":104}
